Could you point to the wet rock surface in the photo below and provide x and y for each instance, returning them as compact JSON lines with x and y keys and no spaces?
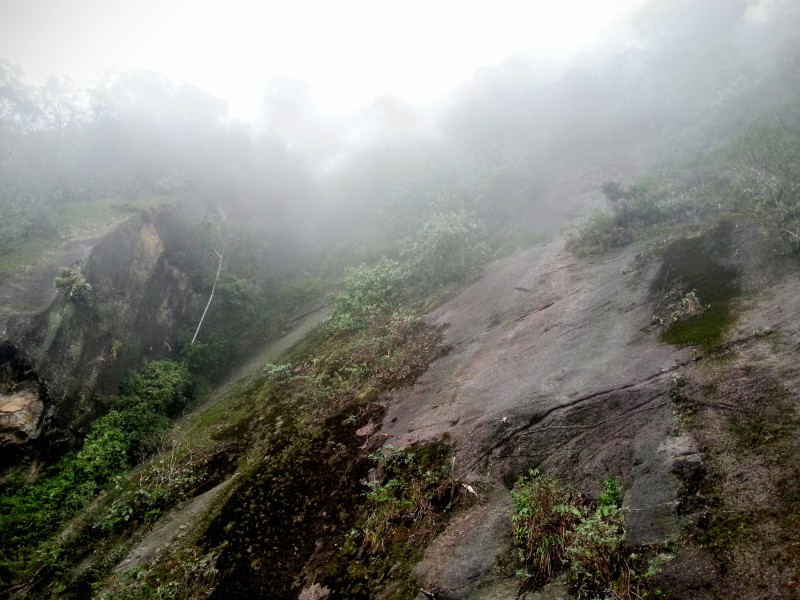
{"x":140,"y":299}
{"x":555,"y":366}
{"x":564,"y":378}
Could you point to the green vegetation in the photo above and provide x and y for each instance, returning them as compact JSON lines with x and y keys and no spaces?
{"x":405,"y":506}
{"x":632,"y":211}
{"x":738,"y":158}
{"x":177,"y":472}
{"x":448,"y":249}
{"x":367,"y":294}
{"x":556,"y":529}
{"x":31,"y":513}
{"x":72,"y":286}
{"x":183,"y":575}
{"x":22,"y":222}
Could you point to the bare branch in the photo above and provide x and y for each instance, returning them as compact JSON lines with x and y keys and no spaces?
{"x":221,"y":256}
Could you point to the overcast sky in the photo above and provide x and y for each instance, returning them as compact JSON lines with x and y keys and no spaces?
{"x":350,"y":50}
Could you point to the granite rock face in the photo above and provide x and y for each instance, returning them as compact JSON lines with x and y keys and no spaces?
{"x":77,"y":352}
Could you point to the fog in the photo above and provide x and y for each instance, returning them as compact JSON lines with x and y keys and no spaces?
{"x":350,"y":156}
{"x":468,"y":229}
{"x":351,"y":51}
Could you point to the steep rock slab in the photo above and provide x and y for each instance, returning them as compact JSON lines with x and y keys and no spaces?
{"x":550,"y":367}
{"x":573,"y":343}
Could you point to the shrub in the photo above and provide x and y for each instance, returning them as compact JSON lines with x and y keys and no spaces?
{"x":209,"y":352}
{"x":24,"y":219}
{"x":278,"y":373}
{"x":30,"y":513}
{"x":544,"y":517}
{"x":634,"y":206}
{"x":755,"y":171}
{"x":448,"y":247}
{"x":765,"y":165}
{"x":555,"y":529}
{"x":368,"y":292}
{"x":632,"y":210}
{"x":405,"y":506}
{"x":188,"y":573}
{"x":162,"y":484}
{"x":598,"y":234}
{"x":596,"y":553}
{"x":676,"y":306}
{"x":72,"y":286}
{"x":162,"y":387}
{"x":416,"y":487}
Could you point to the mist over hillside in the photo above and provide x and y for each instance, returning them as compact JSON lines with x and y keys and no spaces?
{"x":135,"y":133}
{"x":299,"y":354}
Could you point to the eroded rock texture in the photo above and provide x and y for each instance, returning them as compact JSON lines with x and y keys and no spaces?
{"x":141,"y":298}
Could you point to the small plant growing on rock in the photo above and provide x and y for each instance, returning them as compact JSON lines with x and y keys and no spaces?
{"x":677,"y":307}
{"x":405,"y":505}
{"x":544,"y":515}
{"x":416,"y":487}
{"x":597,"y":561}
{"x":556,"y":529}
{"x":72,"y":286}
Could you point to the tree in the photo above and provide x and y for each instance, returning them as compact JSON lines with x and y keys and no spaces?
{"x":449,"y":247}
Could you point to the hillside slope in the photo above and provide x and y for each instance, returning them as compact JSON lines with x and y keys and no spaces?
{"x":546,"y":362}
{"x":556,"y":365}
{"x":553,"y":363}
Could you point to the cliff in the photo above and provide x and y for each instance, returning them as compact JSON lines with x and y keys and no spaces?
{"x":68,"y":354}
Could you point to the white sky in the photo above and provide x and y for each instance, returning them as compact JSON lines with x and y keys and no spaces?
{"x":350,"y":50}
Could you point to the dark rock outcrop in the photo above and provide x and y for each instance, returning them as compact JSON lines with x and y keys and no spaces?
{"x":77,"y":352}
